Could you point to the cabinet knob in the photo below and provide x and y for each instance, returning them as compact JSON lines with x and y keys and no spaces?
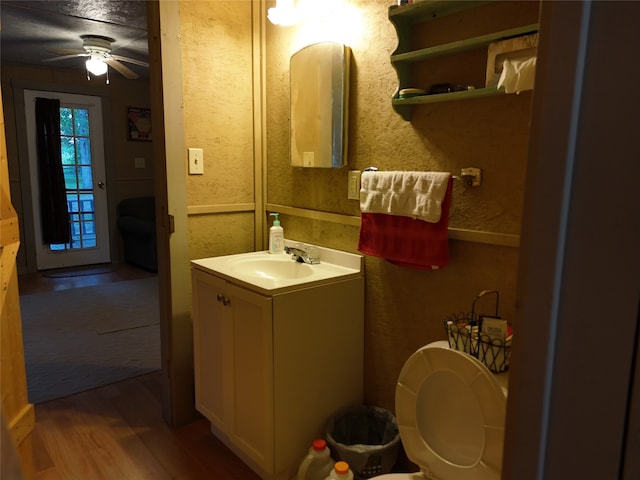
{"x":221,"y":298}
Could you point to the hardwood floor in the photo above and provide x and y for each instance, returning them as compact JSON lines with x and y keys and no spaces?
{"x":39,"y":282}
{"x":117,"y":432}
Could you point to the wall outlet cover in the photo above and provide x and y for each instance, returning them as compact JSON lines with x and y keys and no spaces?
{"x":353,"y":188}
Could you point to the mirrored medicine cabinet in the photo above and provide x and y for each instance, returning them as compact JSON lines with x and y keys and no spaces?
{"x":319,"y":76}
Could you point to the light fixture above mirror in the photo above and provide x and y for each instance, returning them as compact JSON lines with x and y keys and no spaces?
{"x":284,"y":13}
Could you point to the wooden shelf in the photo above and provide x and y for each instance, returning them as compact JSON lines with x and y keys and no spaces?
{"x":462,"y":45}
{"x":402,"y":106}
{"x":449,"y":97}
{"x":430,"y":10}
{"x":405,"y":55}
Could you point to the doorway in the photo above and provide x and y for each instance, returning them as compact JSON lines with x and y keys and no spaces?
{"x":82,"y":148}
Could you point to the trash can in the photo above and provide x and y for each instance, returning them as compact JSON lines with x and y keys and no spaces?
{"x":367,"y":438}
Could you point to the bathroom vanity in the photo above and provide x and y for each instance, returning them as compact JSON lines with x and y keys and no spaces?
{"x":278,"y":349}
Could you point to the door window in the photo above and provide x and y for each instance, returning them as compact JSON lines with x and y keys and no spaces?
{"x":78,"y":177}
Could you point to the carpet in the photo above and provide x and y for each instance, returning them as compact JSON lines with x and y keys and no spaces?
{"x":82,"y":338}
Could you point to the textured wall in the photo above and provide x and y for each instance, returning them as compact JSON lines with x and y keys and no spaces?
{"x":405,"y":308}
{"x":218,"y":117}
{"x":220,"y":234}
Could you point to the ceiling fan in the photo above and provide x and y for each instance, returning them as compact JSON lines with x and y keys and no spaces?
{"x":98,"y":50}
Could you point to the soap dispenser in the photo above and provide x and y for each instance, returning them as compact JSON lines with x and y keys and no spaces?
{"x":276,"y":235}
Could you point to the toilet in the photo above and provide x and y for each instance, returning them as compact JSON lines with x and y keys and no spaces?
{"x":451,"y":412}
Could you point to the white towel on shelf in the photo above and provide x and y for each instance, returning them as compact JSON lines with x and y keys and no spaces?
{"x":518,"y":75}
{"x":417,"y":195}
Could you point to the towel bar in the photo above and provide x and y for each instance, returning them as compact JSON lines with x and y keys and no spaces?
{"x":471,"y":176}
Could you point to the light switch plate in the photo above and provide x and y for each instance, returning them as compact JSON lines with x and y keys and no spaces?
{"x":196,"y":161}
{"x":139,"y":162}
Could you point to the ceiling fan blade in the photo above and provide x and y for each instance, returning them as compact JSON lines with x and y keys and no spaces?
{"x":74,"y":55}
{"x":126,"y":71}
{"x":130,"y":60}
{"x":66,"y":51}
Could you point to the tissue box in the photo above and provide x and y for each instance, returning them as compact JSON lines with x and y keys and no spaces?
{"x":519,"y":48}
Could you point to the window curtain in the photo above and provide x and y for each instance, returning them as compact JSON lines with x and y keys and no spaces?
{"x":53,"y":196}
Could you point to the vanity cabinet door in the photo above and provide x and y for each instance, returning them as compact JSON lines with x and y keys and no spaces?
{"x":252,"y":345}
{"x":213,"y":354}
{"x":233,"y":357}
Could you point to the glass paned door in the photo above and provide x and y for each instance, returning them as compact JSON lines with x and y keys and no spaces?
{"x":78,"y":178}
{"x":84,"y":173}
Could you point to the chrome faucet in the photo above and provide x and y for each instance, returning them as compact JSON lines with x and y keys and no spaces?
{"x":299,"y":254}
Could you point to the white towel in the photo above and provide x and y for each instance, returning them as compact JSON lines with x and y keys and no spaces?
{"x":518,"y":75}
{"x":417,"y":195}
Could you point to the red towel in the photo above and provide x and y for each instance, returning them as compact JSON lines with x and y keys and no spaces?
{"x":405,"y":241}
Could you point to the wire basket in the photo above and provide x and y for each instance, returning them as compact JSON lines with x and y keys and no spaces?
{"x":465,"y":333}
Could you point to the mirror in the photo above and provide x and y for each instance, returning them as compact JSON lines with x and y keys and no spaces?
{"x":319,"y":105}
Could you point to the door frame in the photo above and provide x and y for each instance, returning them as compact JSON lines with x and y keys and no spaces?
{"x":176,"y":337}
{"x":574,"y":383}
{"x":27,"y":228}
{"x":17,"y":415}
{"x":169,"y":153}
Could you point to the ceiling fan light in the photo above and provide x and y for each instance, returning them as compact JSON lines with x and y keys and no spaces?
{"x":96,"y":66}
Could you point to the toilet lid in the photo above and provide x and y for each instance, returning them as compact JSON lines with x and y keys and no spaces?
{"x":451,"y":414}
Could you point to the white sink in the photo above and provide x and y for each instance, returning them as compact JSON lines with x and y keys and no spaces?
{"x":273,"y":267}
{"x":279,"y":272}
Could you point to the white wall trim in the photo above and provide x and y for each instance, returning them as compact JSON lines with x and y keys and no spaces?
{"x":477,"y":236}
{"x":221,"y":208}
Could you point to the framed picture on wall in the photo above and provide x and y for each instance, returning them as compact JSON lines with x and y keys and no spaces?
{"x":139,"y":124}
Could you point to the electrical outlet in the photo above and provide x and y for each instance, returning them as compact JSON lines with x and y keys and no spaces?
{"x":196,"y":161}
{"x":353,"y":188}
